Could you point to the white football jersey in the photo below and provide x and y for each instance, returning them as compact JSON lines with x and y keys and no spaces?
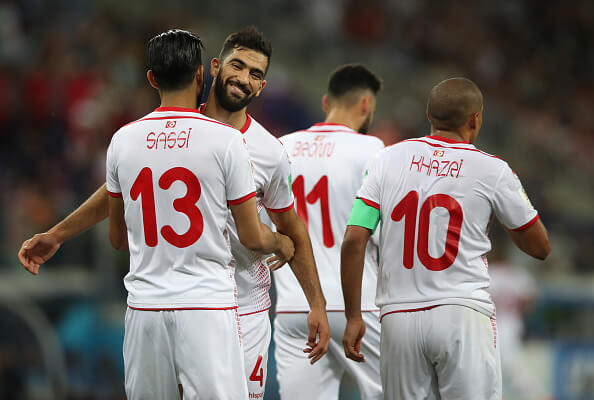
{"x":272,"y":175}
{"x":436,"y":197}
{"x":328,"y":162}
{"x":177,"y":171}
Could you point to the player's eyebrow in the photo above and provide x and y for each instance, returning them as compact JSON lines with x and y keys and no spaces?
{"x":252,"y":69}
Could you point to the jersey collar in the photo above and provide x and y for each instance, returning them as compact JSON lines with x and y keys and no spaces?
{"x":447,"y":140}
{"x":332,"y":126}
{"x":177,"y":109}
{"x":245,"y":126}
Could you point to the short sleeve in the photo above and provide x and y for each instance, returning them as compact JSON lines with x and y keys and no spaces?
{"x":239,"y":179}
{"x":111,"y":171}
{"x":370,"y":189}
{"x":278,"y":196}
{"x":511,"y":203}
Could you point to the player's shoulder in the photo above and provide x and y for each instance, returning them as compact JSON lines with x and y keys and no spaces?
{"x":262,"y":136}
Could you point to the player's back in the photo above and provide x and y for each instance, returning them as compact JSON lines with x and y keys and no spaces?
{"x":177,"y":170}
{"x":436,"y":197}
{"x":328,"y":162}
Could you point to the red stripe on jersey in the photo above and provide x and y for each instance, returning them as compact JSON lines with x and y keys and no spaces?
{"x":331,"y":124}
{"x":447,"y":140}
{"x":305,"y":312}
{"x":527,"y":225}
{"x":183,"y":308}
{"x":114,"y":194}
{"x":242,"y":199}
{"x":370,"y":203}
{"x":178,"y":117}
{"x":446,"y":147}
{"x":180,"y":109}
{"x":411,"y":310}
{"x":280,"y":210}
{"x":255,"y":312}
{"x":247,"y":124}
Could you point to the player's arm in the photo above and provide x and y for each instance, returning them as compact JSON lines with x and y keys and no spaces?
{"x":362,"y":223}
{"x":256,"y":236}
{"x":41,"y":247}
{"x":118,"y":232}
{"x":533,"y":240}
{"x":304,"y":267}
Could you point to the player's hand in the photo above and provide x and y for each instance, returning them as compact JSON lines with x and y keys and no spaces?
{"x":282,"y":255}
{"x":319,"y":335}
{"x":353,"y":336}
{"x":38,"y":250}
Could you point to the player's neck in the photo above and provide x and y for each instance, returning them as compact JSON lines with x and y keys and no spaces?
{"x":342,"y":117}
{"x":179,"y":98}
{"x":459,"y":136}
{"x":214,"y":110}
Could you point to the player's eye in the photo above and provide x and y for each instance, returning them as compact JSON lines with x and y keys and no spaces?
{"x":236,"y":66}
{"x":256,"y":75}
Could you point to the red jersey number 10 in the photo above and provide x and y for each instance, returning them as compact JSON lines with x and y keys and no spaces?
{"x":319,"y":192}
{"x":407,"y":209}
{"x":143,"y":187}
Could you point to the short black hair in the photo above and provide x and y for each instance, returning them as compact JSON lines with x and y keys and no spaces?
{"x":174,"y":56}
{"x":349,"y":77}
{"x":452,"y":101}
{"x":250,"y":38}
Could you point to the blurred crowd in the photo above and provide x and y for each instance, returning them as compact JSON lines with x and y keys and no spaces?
{"x":71,"y":73}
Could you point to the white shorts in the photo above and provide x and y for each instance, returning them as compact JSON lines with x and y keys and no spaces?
{"x":199,"y":349}
{"x":255,"y":332}
{"x":298,"y":379}
{"x":447,"y":352}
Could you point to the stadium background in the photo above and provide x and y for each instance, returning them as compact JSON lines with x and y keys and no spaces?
{"x":72,"y":72}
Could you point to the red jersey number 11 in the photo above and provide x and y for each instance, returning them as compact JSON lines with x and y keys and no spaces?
{"x":319,"y":192}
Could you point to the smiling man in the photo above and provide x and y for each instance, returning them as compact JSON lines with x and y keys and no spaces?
{"x":239,"y":74}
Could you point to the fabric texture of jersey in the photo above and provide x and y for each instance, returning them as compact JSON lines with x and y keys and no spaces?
{"x":272,"y":173}
{"x":177,"y":170}
{"x":436,"y":197}
{"x":328,"y":162}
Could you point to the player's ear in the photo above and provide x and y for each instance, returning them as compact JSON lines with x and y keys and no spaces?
{"x":262,"y":86}
{"x":474,"y":121}
{"x":325,"y":103}
{"x":215,"y":66}
{"x":151,"y":78}
{"x":365,"y":105}
{"x":199,"y":75}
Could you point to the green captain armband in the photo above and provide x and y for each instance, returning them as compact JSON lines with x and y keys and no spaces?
{"x":364,"y":215}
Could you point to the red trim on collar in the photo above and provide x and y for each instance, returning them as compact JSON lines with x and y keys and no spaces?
{"x":444,"y":139}
{"x":179,"y":109}
{"x":332,"y":124}
{"x":247,"y":124}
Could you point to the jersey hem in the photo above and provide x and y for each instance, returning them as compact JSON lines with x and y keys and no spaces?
{"x":253,"y":312}
{"x":241,"y":199}
{"x":370,"y":203}
{"x":180,"y":308}
{"x":114,"y":194}
{"x":486,"y":309}
{"x":280,"y":210}
{"x":527,"y":224}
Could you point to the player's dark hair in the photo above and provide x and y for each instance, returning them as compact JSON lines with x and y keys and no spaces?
{"x":250,"y":38}
{"x":349,"y":77}
{"x":174,"y":56}
{"x":452,"y":101}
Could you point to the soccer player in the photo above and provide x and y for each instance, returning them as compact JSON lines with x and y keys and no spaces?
{"x":434,"y":197}
{"x":328,"y":161}
{"x":239,"y":73}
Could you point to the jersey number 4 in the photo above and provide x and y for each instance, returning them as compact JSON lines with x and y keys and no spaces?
{"x":407,"y":209}
{"x":143,"y":186}
{"x":319,"y":192}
